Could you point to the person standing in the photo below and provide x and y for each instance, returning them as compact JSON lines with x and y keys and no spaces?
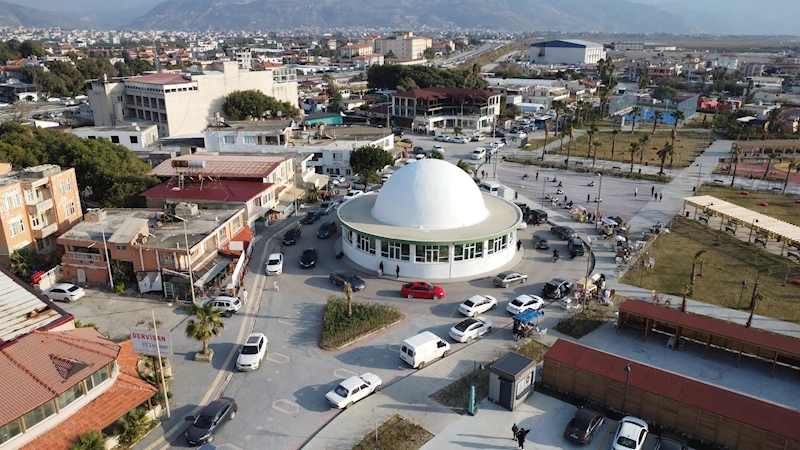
{"x":537,"y":176}
{"x":588,"y":198}
{"x":380,"y":269}
{"x":519,"y":245}
{"x":397,"y":271}
{"x":516,"y":195}
{"x":244,"y":296}
{"x":653,"y":190}
{"x":660,"y":196}
{"x":635,"y":191}
{"x":514,"y":428}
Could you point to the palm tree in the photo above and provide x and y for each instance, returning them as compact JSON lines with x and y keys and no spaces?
{"x":736,"y":156}
{"x":635,"y":148}
{"x":774,"y":117}
{"x":591,"y":132}
{"x":594,"y":154}
{"x":666,"y":150}
{"x":23,"y":262}
{"x":771,"y":157}
{"x":643,"y":141}
{"x":683,"y":301}
{"x":571,"y":138}
{"x":755,"y":298}
{"x":614,"y":133}
{"x":463,"y":165}
{"x":132,"y":425}
{"x":348,"y":293}
{"x":693,"y":276}
{"x":207,"y":325}
{"x":558,"y":107}
{"x":563,"y":134}
{"x":658,"y":116}
{"x":792,"y":166}
{"x":90,"y":440}
{"x":636,"y":111}
{"x":546,"y":135}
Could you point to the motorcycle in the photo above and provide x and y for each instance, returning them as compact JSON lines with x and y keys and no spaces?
{"x":559,"y":191}
{"x":340,"y":255}
{"x":591,"y":184}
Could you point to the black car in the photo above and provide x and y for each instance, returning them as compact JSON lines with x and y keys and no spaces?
{"x":670,"y":441}
{"x":308,"y":258}
{"x":291,"y":237}
{"x":557,"y":288}
{"x":583,"y":426}
{"x":210,"y":420}
{"x":576,"y":247}
{"x":540,"y":243}
{"x":564,"y":232}
{"x":524,"y":207}
{"x":326,"y":207}
{"x":477,"y":181}
{"x":537,"y":214}
{"x":340,"y":277}
{"x":311,"y":217}
{"x":327,"y":229}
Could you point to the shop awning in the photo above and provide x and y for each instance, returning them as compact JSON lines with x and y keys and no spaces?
{"x":216,"y":266}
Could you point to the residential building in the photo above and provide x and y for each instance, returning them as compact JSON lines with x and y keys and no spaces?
{"x":539,"y":92}
{"x":664,"y":70}
{"x":727,"y":61}
{"x":59,"y":381}
{"x":403,"y":45}
{"x":371,"y":40}
{"x":138,"y":139}
{"x":364,"y":62}
{"x":439,"y":107}
{"x":182,"y":103}
{"x":443,"y":47}
{"x":566,"y":51}
{"x":14,"y":92}
{"x":242,"y":56}
{"x":38,"y":204}
{"x":353,"y":50}
{"x":150,"y":245}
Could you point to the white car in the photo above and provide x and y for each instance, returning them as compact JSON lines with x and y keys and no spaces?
{"x":353,"y":389}
{"x":525,"y":302}
{"x":351,"y":195}
{"x":471,"y":328}
{"x":385,"y":177}
{"x":252,"y":352}
{"x":228,"y":305}
{"x":631,"y":434}
{"x":478,"y":138}
{"x":437,"y":148}
{"x":459,"y":140}
{"x":442,"y":138}
{"x":420,"y":156}
{"x":477,"y":304}
{"x":275,"y":264}
{"x":336,"y":179}
{"x":64,"y":292}
{"x":479,"y":153}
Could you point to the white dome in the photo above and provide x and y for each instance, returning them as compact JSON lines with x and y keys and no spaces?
{"x":430,"y":194}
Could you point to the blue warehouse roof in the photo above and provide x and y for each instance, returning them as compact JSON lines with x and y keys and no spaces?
{"x":567,"y":43}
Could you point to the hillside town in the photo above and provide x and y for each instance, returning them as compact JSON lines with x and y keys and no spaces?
{"x":227,"y":240}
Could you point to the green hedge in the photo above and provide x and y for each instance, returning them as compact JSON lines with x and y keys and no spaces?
{"x":338,"y":330}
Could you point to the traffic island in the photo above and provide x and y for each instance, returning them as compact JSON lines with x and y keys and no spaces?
{"x":347,"y":322}
{"x":396,"y":433}
{"x":200,"y":357}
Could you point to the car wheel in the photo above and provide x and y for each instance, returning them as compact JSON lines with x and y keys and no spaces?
{"x":446,"y":352}
{"x":488,"y":330}
{"x":227,"y":314}
{"x":233,"y":415}
{"x":210,"y":439}
{"x":421,"y":365}
{"x":46,"y":297}
{"x":410,"y":295}
{"x":493,"y":307}
{"x":347,"y":405}
{"x":378,"y":387}
{"x":436,"y":297}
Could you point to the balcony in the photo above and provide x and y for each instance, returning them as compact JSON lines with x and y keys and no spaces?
{"x":80,"y":256}
{"x":43,"y":232}
{"x":40,"y":207}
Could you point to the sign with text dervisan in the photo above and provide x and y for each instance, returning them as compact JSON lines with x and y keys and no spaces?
{"x":144,"y":343}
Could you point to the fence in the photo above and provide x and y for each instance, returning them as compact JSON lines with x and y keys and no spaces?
{"x":49,"y":278}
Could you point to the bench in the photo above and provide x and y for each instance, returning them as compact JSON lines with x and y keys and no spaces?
{"x":761,"y":241}
{"x":793,"y":255}
{"x":796,"y":246}
{"x":731,"y":230}
{"x":578,"y":163}
{"x":703,"y":219}
{"x":718,"y":181}
{"x":617,"y":168}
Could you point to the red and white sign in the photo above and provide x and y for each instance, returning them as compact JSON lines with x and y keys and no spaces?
{"x":144,"y":343}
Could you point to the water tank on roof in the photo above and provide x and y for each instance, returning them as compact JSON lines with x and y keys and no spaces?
{"x":197,"y":163}
{"x":184,"y":209}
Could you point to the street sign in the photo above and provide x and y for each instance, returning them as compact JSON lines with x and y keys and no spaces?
{"x":144,"y":343}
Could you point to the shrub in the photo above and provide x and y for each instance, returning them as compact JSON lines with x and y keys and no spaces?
{"x":578,"y":325}
{"x":339,"y":330}
{"x":119,"y":287}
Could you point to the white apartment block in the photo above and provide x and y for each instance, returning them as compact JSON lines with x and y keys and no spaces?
{"x":404,"y":45}
{"x":182,"y":103}
{"x":242,"y":56}
{"x":139,"y":139}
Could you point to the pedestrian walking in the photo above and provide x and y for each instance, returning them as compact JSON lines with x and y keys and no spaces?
{"x":660,"y":196}
{"x":521,"y":437}
{"x":537,"y":176}
{"x":635,"y":191}
{"x":588,"y":198}
{"x":244,"y":296}
{"x":397,"y":271}
{"x":519,"y":245}
{"x":380,"y":269}
{"x":655,"y":196}
{"x":276,"y":286}
{"x":516,"y":195}
{"x":565,"y":199}
{"x":653,"y":190}
{"x":514,"y":431}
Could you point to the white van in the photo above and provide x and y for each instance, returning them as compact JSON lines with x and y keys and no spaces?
{"x":423,"y":348}
{"x":491,"y":187}
{"x":505,"y":192}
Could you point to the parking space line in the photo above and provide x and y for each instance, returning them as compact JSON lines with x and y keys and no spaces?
{"x":605,"y":437}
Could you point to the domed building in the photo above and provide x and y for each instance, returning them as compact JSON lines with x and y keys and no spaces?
{"x":431,"y":220}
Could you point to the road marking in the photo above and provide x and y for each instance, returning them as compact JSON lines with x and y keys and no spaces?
{"x":608,"y":431}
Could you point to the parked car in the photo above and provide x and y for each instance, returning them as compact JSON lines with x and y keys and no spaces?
{"x":437,"y":148}
{"x":210,"y":420}
{"x":540,"y":242}
{"x":351,"y":195}
{"x":471,"y":328}
{"x":337,"y":179}
{"x":557,"y":288}
{"x":64,"y":292}
{"x":507,"y":278}
{"x":406,"y":140}
{"x":291,"y":237}
{"x":327,"y":229}
{"x":478,"y":138}
{"x":538,"y":214}
{"x":228,"y":305}
{"x":252,"y":352}
{"x":311,"y":217}
{"x":478,"y":181}
{"x":326,"y":207}
{"x":353,"y":389}
{"x":584,"y":425}
{"x":671,"y":441}
{"x":479,"y":153}
{"x":525,"y":302}
{"x":576,"y":247}
{"x":631,"y":434}
{"x":564,"y":232}
{"x":477,"y":304}
{"x":418,"y":150}
{"x":308,"y":258}
{"x":361,"y":186}
{"x":385,"y":177}
{"x":422,"y":289}
{"x":459,"y":140}
{"x":275,"y":264}
{"x":340,"y":277}
{"x":420,"y":156}
{"x":442,"y":138}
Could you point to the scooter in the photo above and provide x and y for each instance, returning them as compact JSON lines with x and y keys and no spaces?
{"x":559,"y":191}
{"x":591,"y":184}
{"x":525,"y":177}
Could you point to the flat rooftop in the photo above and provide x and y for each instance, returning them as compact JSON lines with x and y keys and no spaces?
{"x":225,"y":166}
{"x":170,"y":235}
{"x":503,"y":218}
{"x":254,"y":125}
{"x":127,"y":128}
{"x":29,"y":174}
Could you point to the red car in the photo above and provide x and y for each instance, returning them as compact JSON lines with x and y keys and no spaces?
{"x":421,"y":289}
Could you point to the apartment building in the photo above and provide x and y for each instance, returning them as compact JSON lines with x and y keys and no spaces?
{"x":38,"y":204}
{"x":242,"y":56}
{"x":138,"y":139}
{"x":440,"y":107}
{"x":186,"y":102}
{"x":664,"y":70}
{"x":353,"y":50}
{"x":403,"y":45}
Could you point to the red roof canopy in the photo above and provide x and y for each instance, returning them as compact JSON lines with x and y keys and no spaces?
{"x":217,"y":191}
{"x":442,"y":93}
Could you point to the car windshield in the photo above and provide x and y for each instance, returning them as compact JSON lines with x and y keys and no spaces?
{"x":341,"y":391}
{"x":250,"y":350}
{"x":203,"y":422}
{"x":308,"y":254}
{"x":551,"y":286}
{"x":517,"y":302}
{"x":73,"y":288}
{"x":626,"y":442}
{"x":469,"y":303}
{"x":465,"y":324}
{"x":273,"y":262}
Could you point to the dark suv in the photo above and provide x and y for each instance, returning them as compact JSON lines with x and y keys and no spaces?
{"x":291,"y":236}
{"x":311,"y":217}
{"x":576,"y":247}
{"x":211,"y":419}
{"x":327,"y":229}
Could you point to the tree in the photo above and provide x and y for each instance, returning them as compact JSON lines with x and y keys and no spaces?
{"x":756,"y":296}
{"x":569,"y":128}
{"x":666,"y":150}
{"x":30,"y":48}
{"x":636,"y":111}
{"x":693,"y":275}
{"x":558,"y":107}
{"x":367,"y":160}
{"x":24,"y":261}
{"x":644,"y":81}
{"x":614,"y":133}
{"x":458,"y":131}
{"x":635,"y":149}
{"x":334,"y":95}
{"x":206,"y":324}
{"x":133,"y":425}
{"x":463,"y":165}
{"x":665,"y":92}
{"x":644,"y":140}
{"x":770,"y":158}
{"x":390,"y":54}
{"x":596,"y":146}
{"x":658,"y":116}
{"x":348,"y":293}
{"x":773,"y":119}
{"x":736,"y":156}
{"x":546,"y":135}
{"x":678,"y":115}
{"x":90,"y":440}
{"x":683,"y":301}
{"x":241,"y":105}
{"x":792,"y":166}
{"x":436,"y":154}
{"x":591,"y":132}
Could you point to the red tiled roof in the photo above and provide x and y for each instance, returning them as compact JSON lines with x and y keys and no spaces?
{"x":244,"y":235}
{"x":225,"y":166}
{"x":784,"y":344}
{"x":160,"y":78}
{"x":126,"y":360}
{"x":441,"y":93}
{"x":735,"y":406}
{"x":217,"y":191}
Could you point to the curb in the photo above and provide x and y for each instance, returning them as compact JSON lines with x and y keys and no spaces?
{"x":362,"y":336}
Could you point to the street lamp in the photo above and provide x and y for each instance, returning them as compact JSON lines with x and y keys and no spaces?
{"x":699,"y":175}
{"x":627,"y":380}
{"x":188,"y":259}
{"x":752,"y":225}
{"x":744,"y":286}
{"x":598,"y":200}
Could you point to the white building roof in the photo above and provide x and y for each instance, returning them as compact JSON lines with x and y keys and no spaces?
{"x":22,"y":311}
{"x":430,"y":194}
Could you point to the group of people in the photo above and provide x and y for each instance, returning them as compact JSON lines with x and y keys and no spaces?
{"x":522,"y":330}
{"x":519,"y":435}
